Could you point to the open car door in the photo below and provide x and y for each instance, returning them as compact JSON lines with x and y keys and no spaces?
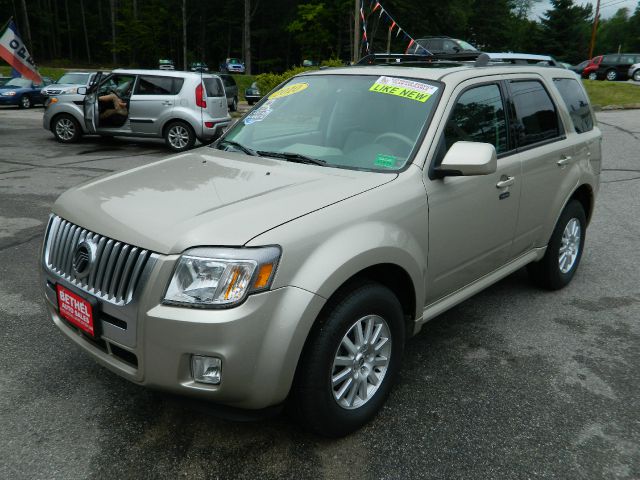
{"x":90,"y":104}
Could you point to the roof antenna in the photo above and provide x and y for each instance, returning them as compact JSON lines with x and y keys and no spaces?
{"x":482,"y":60}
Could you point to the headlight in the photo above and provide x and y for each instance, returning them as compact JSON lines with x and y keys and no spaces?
{"x":8,"y":94}
{"x":70,"y":91}
{"x":221,"y":277}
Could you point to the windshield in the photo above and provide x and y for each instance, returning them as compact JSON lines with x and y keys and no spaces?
{"x":466,"y":46}
{"x":363,"y":122}
{"x":75,"y":78}
{"x":234,"y":61}
{"x":18,"y":82}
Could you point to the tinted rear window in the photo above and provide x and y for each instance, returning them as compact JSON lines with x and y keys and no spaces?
{"x":148,"y":85}
{"x":213,"y":86}
{"x":577,"y":103}
{"x":537,"y":116}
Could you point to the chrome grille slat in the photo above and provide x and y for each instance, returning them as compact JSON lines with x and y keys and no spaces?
{"x":117,"y":267}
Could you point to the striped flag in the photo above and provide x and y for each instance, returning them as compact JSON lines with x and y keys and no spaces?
{"x":14,"y":51}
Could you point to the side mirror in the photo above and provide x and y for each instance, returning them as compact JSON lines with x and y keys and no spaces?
{"x":82,"y":90}
{"x":468,"y":158}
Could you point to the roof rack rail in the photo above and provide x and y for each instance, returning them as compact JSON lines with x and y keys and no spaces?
{"x":385,"y":58}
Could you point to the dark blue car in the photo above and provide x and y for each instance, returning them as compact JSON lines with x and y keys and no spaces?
{"x":23,"y":92}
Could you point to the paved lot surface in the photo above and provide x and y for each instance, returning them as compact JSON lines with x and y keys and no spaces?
{"x":513,"y":383}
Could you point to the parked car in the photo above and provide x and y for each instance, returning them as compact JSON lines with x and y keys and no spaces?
{"x":69,"y":83}
{"x":291,"y":260}
{"x":199,"y":67}
{"x":165,"y":64}
{"x":252,"y":94}
{"x":634,"y":72}
{"x":614,"y":66}
{"x":231,"y":90}
{"x":23,"y":92}
{"x":232,"y":65}
{"x":590,"y":71}
{"x":579,"y":68}
{"x":441,"y":45}
{"x":4,"y":80}
{"x":177,"y":106}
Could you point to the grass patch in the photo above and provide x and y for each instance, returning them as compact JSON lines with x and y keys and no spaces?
{"x":604,"y":93}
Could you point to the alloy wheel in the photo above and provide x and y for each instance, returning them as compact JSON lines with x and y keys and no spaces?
{"x":178,"y":137}
{"x":593,"y":76}
{"x":65,"y":129}
{"x":361,"y":362}
{"x":611,"y":75}
{"x":25,"y":102}
{"x":570,"y":245}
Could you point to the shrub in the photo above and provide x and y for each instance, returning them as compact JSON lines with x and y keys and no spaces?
{"x":269,"y":81}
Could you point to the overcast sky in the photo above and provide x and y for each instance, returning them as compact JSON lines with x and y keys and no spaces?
{"x":607,"y":7}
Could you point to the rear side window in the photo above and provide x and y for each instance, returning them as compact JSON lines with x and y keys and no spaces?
{"x":148,"y":85}
{"x":213,"y":87}
{"x":537,"y":116}
{"x":478,"y":116}
{"x":228,"y":81}
{"x":577,"y":103}
{"x":611,"y":58}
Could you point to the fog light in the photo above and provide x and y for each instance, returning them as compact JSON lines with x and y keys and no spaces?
{"x":206,"y":369}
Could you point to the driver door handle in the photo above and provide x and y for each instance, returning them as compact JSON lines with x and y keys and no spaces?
{"x":505,"y":182}
{"x":564,"y":160}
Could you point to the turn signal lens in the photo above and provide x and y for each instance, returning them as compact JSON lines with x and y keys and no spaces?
{"x":264,"y":274}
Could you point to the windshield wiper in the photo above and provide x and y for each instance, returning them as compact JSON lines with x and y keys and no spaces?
{"x":293,"y":157}
{"x":239,"y":146}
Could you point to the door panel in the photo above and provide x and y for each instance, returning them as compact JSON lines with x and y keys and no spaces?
{"x":471,"y":219}
{"x":152,"y":102}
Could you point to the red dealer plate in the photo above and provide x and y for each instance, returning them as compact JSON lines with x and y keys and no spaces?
{"x":76,"y":310}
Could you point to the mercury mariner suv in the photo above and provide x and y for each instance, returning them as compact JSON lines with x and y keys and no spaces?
{"x":289,"y":262}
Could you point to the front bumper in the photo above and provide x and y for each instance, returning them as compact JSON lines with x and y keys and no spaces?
{"x":259,"y":341}
{"x":9,"y":100}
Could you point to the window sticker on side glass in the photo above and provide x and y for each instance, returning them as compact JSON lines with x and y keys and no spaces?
{"x":259,"y":114}
{"x":288,"y":90}
{"x":404,"y":88}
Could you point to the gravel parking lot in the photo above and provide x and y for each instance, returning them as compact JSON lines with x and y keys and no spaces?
{"x":513,"y":383}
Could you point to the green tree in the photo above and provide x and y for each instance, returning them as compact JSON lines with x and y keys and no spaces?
{"x":566,"y":30}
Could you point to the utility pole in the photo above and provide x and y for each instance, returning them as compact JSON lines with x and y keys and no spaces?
{"x":356,"y":31}
{"x":596,"y":19}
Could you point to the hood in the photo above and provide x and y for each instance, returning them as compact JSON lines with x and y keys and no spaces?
{"x":56,"y":86}
{"x":207,"y":197}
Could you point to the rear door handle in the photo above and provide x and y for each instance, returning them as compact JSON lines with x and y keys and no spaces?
{"x":167,"y":103}
{"x":505,"y":182}
{"x":564,"y":161}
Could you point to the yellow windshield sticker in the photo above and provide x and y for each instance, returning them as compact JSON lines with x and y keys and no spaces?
{"x":288,"y":90}
{"x":401,"y":87}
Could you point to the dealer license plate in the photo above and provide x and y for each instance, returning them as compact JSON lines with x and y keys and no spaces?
{"x":76,"y":310}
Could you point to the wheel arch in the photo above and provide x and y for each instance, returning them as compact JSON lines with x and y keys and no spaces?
{"x":584,"y":194}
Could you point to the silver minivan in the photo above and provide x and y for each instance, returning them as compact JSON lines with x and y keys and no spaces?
{"x":177,"y":106}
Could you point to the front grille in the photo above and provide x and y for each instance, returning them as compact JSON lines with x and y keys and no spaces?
{"x":52,"y":92}
{"x":115,"y":268}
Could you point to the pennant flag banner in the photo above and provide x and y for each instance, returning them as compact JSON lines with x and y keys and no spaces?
{"x":14,"y":51}
{"x":394,"y":24}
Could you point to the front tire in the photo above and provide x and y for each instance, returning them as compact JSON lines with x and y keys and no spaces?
{"x":25,"y":102}
{"x":350,"y":361}
{"x":179,"y":136}
{"x":593,"y":76}
{"x":66,"y":129}
{"x":561,"y":260}
{"x":636,"y":75}
{"x":611,"y":75}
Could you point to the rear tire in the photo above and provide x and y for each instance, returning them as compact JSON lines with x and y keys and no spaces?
{"x":25,"y":102}
{"x":561,"y":260}
{"x":611,"y":75}
{"x":341,"y":384}
{"x":636,"y":75}
{"x":66,"y":129}
{"x":593,"y":76}
{"x":179,"y":136}
{"x":234,"y":104}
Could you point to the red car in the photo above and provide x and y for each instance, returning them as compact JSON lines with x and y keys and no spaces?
{"x":591,"y":70}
